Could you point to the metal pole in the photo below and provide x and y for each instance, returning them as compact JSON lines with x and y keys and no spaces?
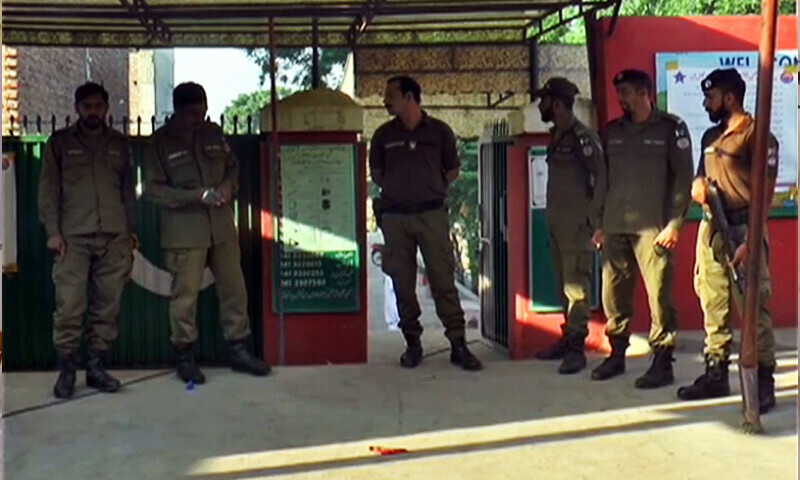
{"x":315,"y":53}
{"x":533,"y":66}
{"x":748,"y":359}
{"x":277,"y":210}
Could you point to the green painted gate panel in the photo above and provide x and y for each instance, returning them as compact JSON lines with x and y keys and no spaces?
{"x":28,"y":296}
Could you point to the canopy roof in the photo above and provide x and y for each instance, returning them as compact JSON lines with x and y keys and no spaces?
{"x":244,"y":23}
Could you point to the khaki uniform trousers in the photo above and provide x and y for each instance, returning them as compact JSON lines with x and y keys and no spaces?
{"x":186,"y":266}
{"x":571,"y":251}
{"x":622,"y":254}
{"x":430,"y":231}
{"x":716,"y":291}
{"x":89,"y":281}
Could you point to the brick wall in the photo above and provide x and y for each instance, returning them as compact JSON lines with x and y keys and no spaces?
{"x":48,"y":77}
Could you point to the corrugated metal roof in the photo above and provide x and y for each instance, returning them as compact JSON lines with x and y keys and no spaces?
{"x":243,"y":23}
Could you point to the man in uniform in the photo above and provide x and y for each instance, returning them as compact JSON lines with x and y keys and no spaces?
{"x":726,"y":161}
{"x":191,"y":173}
{"x":576,"y":176}
{"x":87,"y":204}
{"x":413,"y":159}
{"x":649,"y":161}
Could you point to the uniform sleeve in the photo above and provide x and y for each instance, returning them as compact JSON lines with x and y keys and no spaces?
{"x":128,"y":187}
{"x":450,"y":160}
{"x":157,"y":188}
{"x":50,"y":190}
{"x":231,"y":168}
{"x":701,"y":166}
{"x":377,"y":160}
{"x":593,"y":158}
{"x":681,"y":175}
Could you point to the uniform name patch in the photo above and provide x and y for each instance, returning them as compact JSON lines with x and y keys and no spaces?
{"x":394,"y":145}
{"x":177,"y":154}
{"x":74,"y":152}
{"x":658,"y":143}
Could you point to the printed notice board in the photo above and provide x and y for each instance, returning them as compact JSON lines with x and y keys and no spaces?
{"x":319,"y":265}
{"x":679,"y":92}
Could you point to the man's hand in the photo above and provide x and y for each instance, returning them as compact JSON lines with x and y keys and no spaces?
{"x":225,"y":194}
{"x":667,"y":238}
{"x":699,"y":188}
{"x":739,"y":256}
{"x":57,"y":245}
{"x":211,"y":198}
{"x":597,"y":239}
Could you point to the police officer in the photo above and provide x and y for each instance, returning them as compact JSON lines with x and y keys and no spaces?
{"x":649,"y":161}
{"x":87,"y":204}
{"x":727,"y":160}
{"x":576,"y":177}
{"x":191,"y":173}
{"x":413,"y":159}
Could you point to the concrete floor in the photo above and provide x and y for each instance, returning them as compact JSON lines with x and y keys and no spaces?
{"x":514,"y":420}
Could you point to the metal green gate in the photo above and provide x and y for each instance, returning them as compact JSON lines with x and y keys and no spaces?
{"x":28,"y":295}
{"x":494,"y":242}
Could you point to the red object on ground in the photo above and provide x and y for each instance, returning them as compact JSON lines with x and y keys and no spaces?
{"x":386,"y":451}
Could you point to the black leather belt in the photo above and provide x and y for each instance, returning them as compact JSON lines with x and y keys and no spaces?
{"x":414,"y":208}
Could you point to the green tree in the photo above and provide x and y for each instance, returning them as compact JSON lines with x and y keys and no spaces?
{"x":463,"y":210}
{"x":249,"y":104}
{"x":575,"y":33}
{"x":294,"y":65}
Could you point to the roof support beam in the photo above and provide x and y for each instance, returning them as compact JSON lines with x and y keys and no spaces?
{"x":361,"y":22}
{"x":154,"y":25}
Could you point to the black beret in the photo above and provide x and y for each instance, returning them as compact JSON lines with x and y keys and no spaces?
{"x":631,"y":75}
{"x":727,"y":77}
{"x":558,"y":87}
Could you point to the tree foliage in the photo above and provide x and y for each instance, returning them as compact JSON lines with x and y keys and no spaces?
{"x":248,"y":104}
{"x":294,"y":65}
{"x":575,"y":32}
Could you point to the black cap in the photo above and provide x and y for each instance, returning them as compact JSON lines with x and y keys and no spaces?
{"x":557,"y":87}
{"x":637,"y":77}
{"x":727,"y":78}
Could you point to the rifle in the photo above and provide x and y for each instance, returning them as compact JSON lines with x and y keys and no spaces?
{"x":720,"y":221}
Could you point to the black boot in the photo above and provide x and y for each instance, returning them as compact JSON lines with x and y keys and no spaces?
{"x":766,"y":388}
{"x":96,"y":375}
{"x":574,"y":360}
{"x":244,"y":361}
{"x":712,"y":384}
{"x":660,"y":372}
{"x":185,"y":366}
{"x":615,"y":363}
{"x":555,"y":351}
{"x":65,"y":385}
{"x":412,"y":357}
{"x":461,"y":356}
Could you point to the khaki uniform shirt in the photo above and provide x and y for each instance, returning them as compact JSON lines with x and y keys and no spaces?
{"x":176,"y":169}
{"x":649,"y":174}
{"x":413,"y":162}
{"x":576,"y":177}
{"x":728,"y":157}
{"x":87,"y":184}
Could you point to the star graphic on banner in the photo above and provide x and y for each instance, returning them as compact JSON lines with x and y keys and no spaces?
{"x":679,"y":77}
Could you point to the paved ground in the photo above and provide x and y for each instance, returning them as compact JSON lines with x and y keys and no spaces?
{"x":514,"y":420}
